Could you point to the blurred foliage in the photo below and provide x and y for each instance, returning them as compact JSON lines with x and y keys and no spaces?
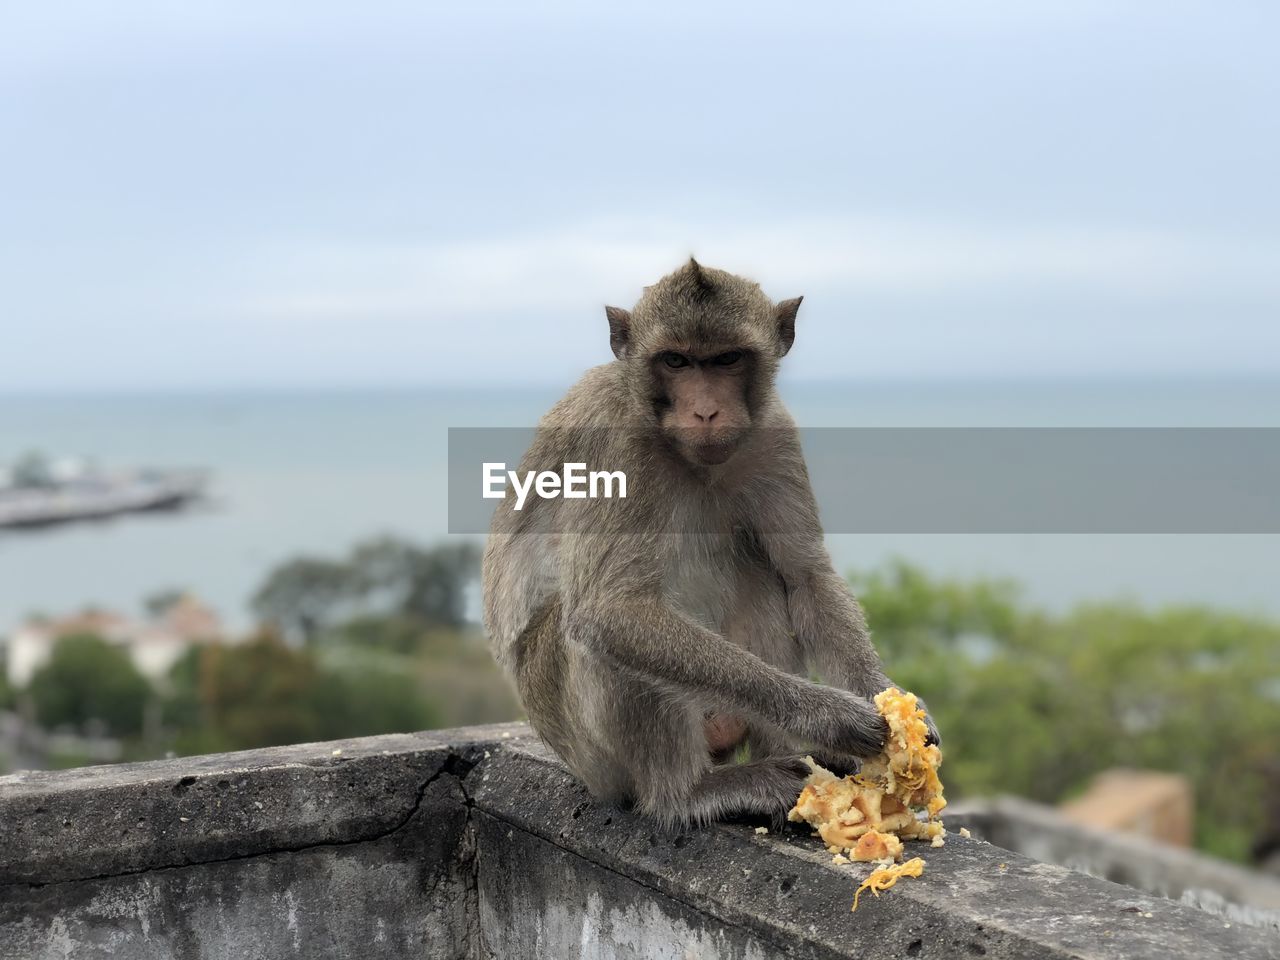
{"x":263,"y":693}
{"x":398,"y":578}
{"x":1036,"y":705}
{"x":303,"y":596}
{"x":89,"y":680}
{"x":459,"y":673}
{"x":452,"y":669}
{"x":379,"y":646}
{"x":390,"y":634}
{"x":7,"y":696}
{"x":386,"y":579}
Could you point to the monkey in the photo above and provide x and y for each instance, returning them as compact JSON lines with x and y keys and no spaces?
{"x":651,"y":639}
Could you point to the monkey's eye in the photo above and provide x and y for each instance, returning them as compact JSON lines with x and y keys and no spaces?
{"x":675,"y":360}
{"x":727,"y":359}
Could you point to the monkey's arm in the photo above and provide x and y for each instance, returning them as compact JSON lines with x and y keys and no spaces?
{"x":827,"y":620}
{"x":830,"y":626}
{"x":642,"y":634}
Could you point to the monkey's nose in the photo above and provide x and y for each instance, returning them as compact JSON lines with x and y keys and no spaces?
{"x":706,"y":417}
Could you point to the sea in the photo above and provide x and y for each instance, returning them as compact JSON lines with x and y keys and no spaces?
{"x":312,"y":473}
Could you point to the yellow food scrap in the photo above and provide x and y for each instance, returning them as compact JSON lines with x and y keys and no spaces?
{"x":885,"y":877}
{"x":879,"y":800}
{"x":874,"y":845}
{"x":869,"y":814}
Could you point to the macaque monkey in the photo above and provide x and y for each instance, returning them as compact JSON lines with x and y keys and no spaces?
{"x":652,"y":637}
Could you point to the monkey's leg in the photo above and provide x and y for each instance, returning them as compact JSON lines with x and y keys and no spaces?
{"x":646,"y":742}
{"x":651,"y":748}
{"x":765,"y":787}
{"x":676,"y":783}
{"x":765,"y":741}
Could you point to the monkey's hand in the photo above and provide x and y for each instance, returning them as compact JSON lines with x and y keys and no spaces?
{"x":841,"y":764}
{"x":934,"y":736}
{"x":778,"y":781}
{"x":843,"y":722}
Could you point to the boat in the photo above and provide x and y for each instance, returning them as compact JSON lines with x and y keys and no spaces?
{"x":36,"y":492}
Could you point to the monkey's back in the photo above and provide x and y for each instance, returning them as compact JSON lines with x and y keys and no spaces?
{"x":522,"y":569}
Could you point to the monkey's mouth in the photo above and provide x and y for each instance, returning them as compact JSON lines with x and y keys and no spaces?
{"x":702,"y":447}
{"x":711,"y":451}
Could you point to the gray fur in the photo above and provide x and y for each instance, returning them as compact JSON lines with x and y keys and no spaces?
{"x":708,"y":589}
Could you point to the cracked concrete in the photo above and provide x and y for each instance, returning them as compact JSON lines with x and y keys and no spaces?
{"x":476,"y":843}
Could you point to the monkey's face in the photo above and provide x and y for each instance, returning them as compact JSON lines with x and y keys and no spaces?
{"x":702,"y":347}
{"x":702,"y":399}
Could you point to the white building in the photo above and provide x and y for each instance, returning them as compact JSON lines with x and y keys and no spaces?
{"x":153,"y":645}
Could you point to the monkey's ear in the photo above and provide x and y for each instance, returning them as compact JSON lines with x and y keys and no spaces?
{"x":785,"y":314}
{"x":619,"y":330}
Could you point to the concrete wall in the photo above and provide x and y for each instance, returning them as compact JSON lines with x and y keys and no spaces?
{"x":1039,"y":832}
{"x":475,"y":843}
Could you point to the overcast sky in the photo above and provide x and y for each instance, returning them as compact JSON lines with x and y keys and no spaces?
{"x":255,"y":194}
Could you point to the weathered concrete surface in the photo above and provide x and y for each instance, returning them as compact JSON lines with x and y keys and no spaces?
{"x":407,"y":894}
{"x":476,"y":843}
{"x":974,"y":899}
{"x":1167,"y":871}
{"x":558,"y":905}
{"x":107,"y":820}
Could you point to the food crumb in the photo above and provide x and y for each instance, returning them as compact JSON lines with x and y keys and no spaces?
{"x":937,"y":841}
{"x":762,"y":829}
{"x":839,"y":858}
{"x":185,"y":819}
{"x":964,"y":832}
{"x":506,"y":734}
{"x":338,"y":752}
{"x":487,"y":754}
{"x":885,"y":877}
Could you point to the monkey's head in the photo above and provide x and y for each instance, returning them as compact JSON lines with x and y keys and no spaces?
{"x":702,"y":348}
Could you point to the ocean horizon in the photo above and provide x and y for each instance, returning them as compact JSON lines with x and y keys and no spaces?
{"x":312,"y":471}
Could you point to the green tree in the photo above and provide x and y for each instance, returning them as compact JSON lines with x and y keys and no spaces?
{"x":85,"y":679}
{"x":265,"y":693}
{"x":1037,"y":705}
{"x":393,"y":633}
{"x":387,"y":578}
{"x":397,"y":577}
{"x":303,"y":597}
{"x":369,"y":701}
{"x":255,"y":694}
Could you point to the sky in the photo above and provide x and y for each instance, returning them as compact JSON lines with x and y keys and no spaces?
{"x":268,"y":195}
